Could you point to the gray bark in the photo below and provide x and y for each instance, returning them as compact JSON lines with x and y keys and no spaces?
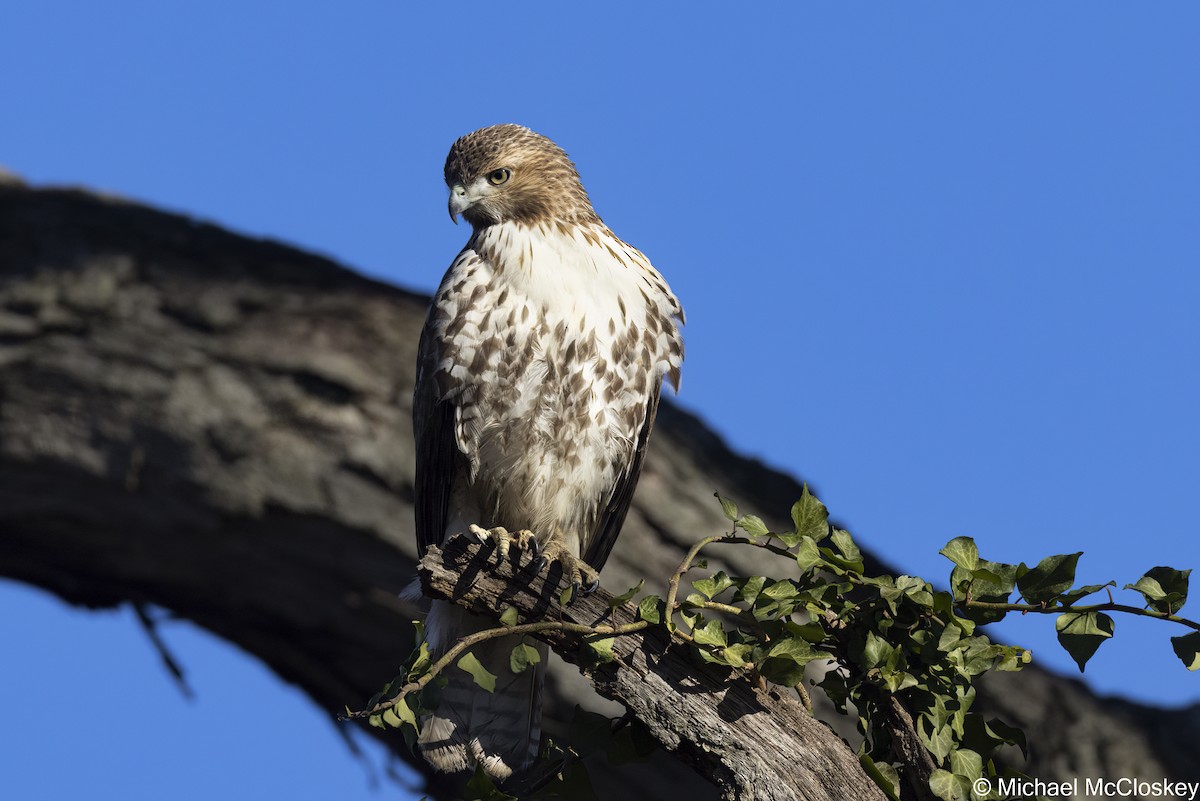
{"x":755,"y":743}
{"x":220,"y":426}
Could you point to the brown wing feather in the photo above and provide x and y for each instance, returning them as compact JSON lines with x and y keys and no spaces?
{"x":613,"y":516}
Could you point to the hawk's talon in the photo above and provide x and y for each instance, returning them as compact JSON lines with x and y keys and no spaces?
{"x":481,"y":535}
{"x":503,"y":540}
{"x":577,"y":572}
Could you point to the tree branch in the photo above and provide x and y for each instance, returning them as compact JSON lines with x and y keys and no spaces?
{"x":754,"y":743}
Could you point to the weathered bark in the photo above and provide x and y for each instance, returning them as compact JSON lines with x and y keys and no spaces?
{"x":220,"y":426}
{"x":754,"y":743}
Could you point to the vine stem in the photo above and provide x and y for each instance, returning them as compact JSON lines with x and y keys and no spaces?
{"x":462,"y":645}
{"x":1059,"y":610}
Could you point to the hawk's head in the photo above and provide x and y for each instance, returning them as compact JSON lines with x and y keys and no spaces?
{"x":509,"y":173}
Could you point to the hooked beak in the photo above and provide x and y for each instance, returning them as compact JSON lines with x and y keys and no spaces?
{"x":458,"y":201}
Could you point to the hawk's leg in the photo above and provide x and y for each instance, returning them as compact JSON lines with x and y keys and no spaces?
{"x":581,"y":575}
{"x":523,"y":539}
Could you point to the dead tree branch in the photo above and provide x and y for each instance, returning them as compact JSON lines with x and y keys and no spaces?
{"x":754,"y":743}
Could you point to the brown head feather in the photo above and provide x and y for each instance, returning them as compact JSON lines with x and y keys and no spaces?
{"x":544,"y":185}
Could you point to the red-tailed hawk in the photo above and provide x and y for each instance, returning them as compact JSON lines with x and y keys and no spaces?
{"x":538,"y":380}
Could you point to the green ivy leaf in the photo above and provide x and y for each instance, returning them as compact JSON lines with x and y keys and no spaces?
{"x":618,"y":600}
{"x":846,"y":546}
{"x":1164,"y":588}
{"x":810,"y":632}
{"x":1053,"y":576}
{"x":649,"y":609}
{"x":737,"y":655}
{"x":810,"y":517}
{"x":715,"y":585}
{"x":877,"y":652}
{"x":963,"y":552}
{"x":1187,"y":648}
{"x":523,"y":656}
{"x":1071,"y":597}
{"x":421,"y":662}
{"x":478,"y":672}
{"x":939,"y":741}
{"x":601,"y":649}
{"x":509,"y":616}
{"x":749,"y":588}
{"x":883,"y":775}
{"x":808,"y":555}
{"x":1081,"y":633}
{"x":948,"y":787}
{"x":399,"y":714}
{"x":780,"y":590}
{"x":783,"y":671}
{"x":752,"y":525}
{"x":728,"y":507}
{"x":966,"y":763}
{"x":710,"y":634}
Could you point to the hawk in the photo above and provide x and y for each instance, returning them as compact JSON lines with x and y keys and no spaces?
{"x":538,"y":380}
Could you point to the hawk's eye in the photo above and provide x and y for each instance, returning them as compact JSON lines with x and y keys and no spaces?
{"x":500,"y":176}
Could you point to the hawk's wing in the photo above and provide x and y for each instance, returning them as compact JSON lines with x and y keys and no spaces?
{"x":439,"y":461}
{"x":596,"y":550}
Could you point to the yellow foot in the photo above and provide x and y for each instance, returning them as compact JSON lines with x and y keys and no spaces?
{"x":578,"y":572}
{"x":523,"y":539}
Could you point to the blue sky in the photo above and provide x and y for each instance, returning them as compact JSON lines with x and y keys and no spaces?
{"x":938,"y":259}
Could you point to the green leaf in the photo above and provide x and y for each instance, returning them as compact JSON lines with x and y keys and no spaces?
{"x":810,"y":516}
{"x":948,"y":787}
{"x":713,"y":586}
{"x":939,"y":741}
{"x":1053,"y":576}
{"x":523,"y":656}
{"x":601,"y":649}
{"x":876,"y":651}
{"x":846,"y":545}
{"x":710,"y":634}
{"x":1187,"y":648}
{"x":509,"y":616}
{"x":478,"y":672}
{"x":1069,"y":598}
{"x":780,"y":590}
{"x":737,"y":655}
{"x":963,"y":552}
{"x":966,"y":763}
{"x":618,"y":600}
{"x":749,"y":589}
{"x":810,"y":632}
{"x":985,"y":737}
{"x":991,"y":582}
{"x":888,"y":781}
{"x":1164,"y":588}
{"x":781,"y":670}
{"x":728,"y":507}
{"x":1081,"y":633}
{"x":808,"y":555}
{"x":648,"y":609}
{"x":752,"y":525}
{"x":421,"y":662}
